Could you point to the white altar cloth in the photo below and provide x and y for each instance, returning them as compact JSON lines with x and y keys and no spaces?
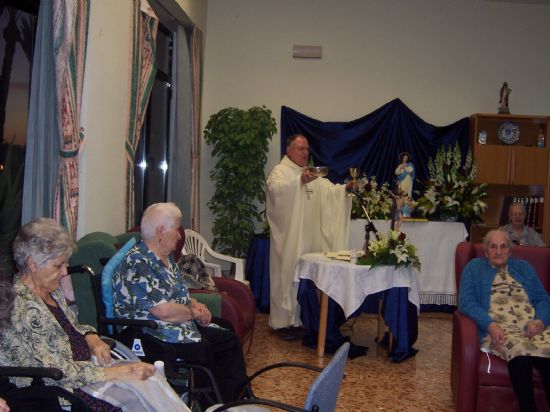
{"x":436,"y":244}
{"x":349,"y":284}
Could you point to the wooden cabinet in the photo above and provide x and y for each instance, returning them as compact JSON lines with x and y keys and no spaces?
{"x":519,"y":169}
{"x":511,"y":165}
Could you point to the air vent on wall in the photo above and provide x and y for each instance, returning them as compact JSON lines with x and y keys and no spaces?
{"x":307,"y":52}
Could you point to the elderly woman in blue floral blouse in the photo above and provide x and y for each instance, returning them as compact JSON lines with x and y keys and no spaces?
{"x":44,"y":331}
{"x":148,"y":285}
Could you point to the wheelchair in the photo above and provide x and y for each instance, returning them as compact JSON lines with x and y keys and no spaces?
{"x":118,"y":351}
{"x":181,"y":375}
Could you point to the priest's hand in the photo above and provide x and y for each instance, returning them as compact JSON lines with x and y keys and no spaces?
{"x":351,"y":186}
{"x":307,"y":176}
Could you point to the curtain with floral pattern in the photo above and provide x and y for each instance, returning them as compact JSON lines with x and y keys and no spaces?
{"x":144,"y":67}
{"x":70,"y":28}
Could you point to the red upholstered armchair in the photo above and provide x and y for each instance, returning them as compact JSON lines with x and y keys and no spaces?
{"x":474,"y":389}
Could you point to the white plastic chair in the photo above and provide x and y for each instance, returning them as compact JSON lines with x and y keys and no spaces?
{"x":196,"y":244}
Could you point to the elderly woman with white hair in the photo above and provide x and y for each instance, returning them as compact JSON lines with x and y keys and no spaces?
{"x":520,"y":234}
{"x":148,"y":285}
{"x":45,"y":332}
{"x":34,"y":398}
{"x":511,"y":308}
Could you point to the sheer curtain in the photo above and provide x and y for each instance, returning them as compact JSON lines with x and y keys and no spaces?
{"x":144,"y":66}
{"x":42,"y":153}
{"x":196,"y":59}
{"x":179,"y":164}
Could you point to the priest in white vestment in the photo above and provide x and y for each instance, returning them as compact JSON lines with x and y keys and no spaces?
{"x":306,"y":214}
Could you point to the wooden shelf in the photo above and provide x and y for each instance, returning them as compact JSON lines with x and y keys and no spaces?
{"x":519,"y":170}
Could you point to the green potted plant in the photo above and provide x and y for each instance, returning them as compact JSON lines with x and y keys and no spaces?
{"x":240,"y":142}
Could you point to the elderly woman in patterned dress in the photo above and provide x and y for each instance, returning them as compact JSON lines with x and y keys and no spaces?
{"x":44,"y":331}
{"x":512,"y":311}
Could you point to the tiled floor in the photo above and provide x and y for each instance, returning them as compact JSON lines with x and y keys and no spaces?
{"x":372,"y":382}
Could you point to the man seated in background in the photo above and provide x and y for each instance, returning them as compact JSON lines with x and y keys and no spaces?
{"x":518,"y":231}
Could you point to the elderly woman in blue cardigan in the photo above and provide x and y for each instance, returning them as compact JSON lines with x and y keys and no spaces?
{"x":512,"y":311}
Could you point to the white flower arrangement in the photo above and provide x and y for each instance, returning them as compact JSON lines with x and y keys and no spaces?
{"x":451,"y":193}
{"x":393,"y":249}
{"x":377,"y":199}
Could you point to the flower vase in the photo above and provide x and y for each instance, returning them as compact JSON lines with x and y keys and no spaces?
{"x":449,"y":218}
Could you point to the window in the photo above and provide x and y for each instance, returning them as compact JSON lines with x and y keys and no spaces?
{"x":18,"y":28}
{"x":153,"y":149}
{"x":163,"y":158}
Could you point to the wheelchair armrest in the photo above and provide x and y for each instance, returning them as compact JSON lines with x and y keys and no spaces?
{"x":80,"y":269}
{"x":31,"y":372}
{"x":37,"y":373}
{"x":109,"y":341}
{"x":144,"y":323}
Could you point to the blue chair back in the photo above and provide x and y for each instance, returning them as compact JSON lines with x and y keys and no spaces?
{"x":107,"y":278}
{"x":324,"y":391}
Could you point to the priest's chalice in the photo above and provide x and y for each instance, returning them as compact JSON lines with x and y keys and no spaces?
{"x":354,"y":173}
{"x":319,"y":171}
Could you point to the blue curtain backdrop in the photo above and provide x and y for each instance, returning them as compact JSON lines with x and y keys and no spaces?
{"x":373,"y":142}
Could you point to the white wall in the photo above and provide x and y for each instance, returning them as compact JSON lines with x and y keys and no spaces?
{"x":196,"y":10}
{"x":445,"y":59}
{"x":105,"y":107}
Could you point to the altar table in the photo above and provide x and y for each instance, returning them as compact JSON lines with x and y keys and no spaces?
{"x":349,"y":285}
{"x":435,"y":243}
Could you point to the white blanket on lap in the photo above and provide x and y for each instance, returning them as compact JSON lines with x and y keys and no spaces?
{"x":151,"y":395}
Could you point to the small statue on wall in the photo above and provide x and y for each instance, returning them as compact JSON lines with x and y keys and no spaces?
{"x":504,"y":96}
